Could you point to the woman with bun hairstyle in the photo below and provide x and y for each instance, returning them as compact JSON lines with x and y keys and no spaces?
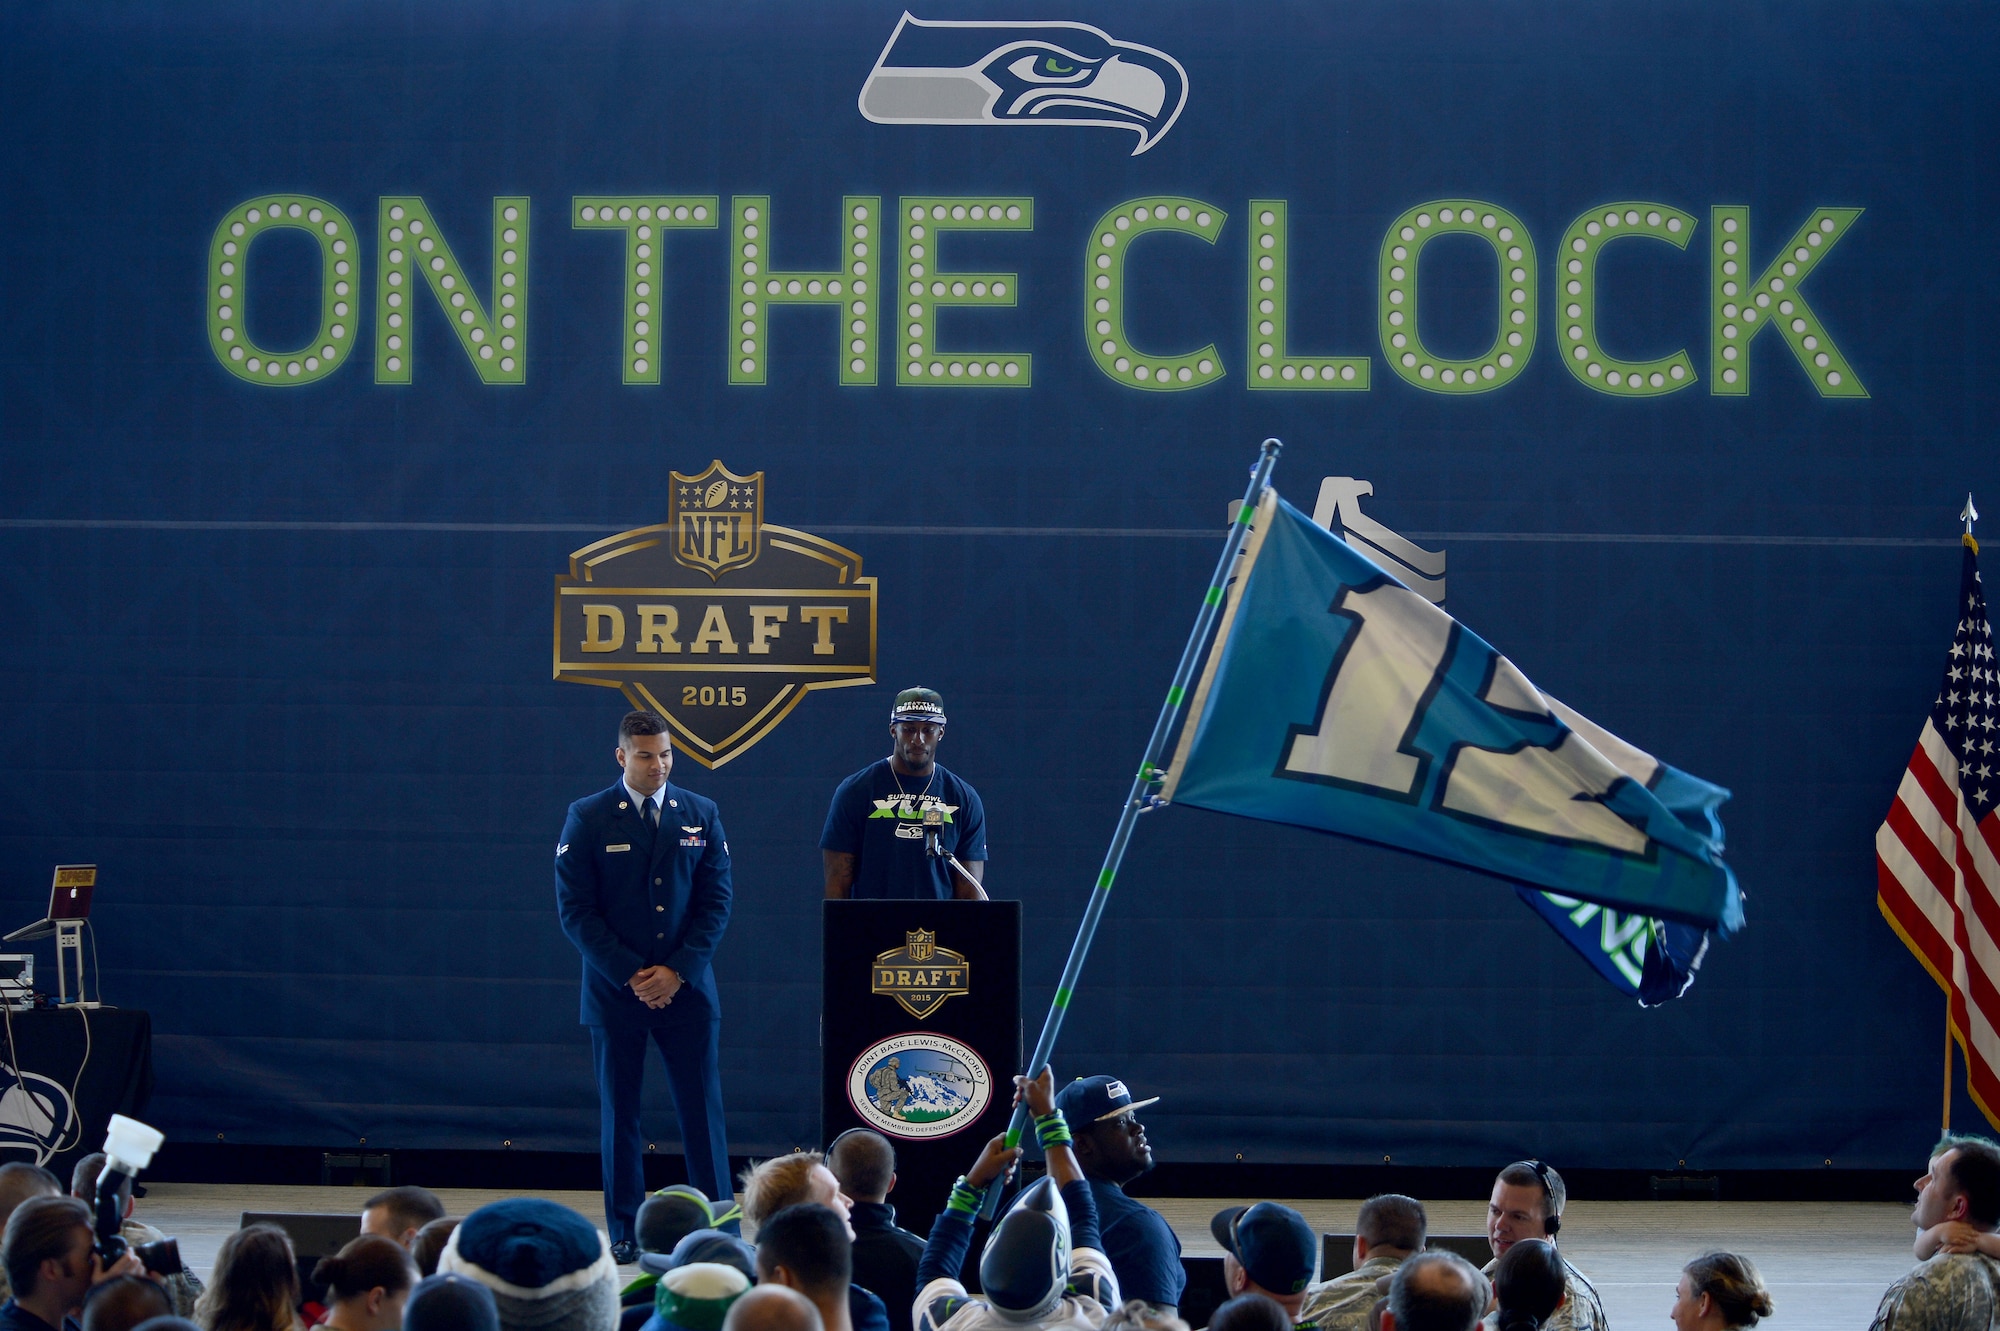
{"x":1719,"y":1291}
{"x":367,"y":1283}
{"x":1529,"y":1284}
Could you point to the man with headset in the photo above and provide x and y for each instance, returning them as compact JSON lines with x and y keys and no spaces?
{"x":1527,"y":1203}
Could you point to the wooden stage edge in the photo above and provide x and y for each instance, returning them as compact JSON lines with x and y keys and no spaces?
{"x":1827,"y":1262}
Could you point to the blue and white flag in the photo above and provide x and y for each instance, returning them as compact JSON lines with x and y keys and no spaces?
{"x":1336,"y":698}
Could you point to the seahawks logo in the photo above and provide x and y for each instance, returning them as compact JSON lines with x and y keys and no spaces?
{"x":957,"y":73}
{"x":35,"y":1111}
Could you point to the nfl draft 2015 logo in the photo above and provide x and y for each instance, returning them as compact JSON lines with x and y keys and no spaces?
{"x":920,"y":975}
{"x":715,"y":619}
{"x":919,"y":1086}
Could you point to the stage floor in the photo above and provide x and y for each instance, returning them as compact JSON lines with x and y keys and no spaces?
{"x":1827,"y":1263}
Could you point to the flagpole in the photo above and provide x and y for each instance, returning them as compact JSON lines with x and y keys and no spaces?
{"x":1143,"y":784}
{"x":1947,"y":1063}
{"x":1968,"y":515}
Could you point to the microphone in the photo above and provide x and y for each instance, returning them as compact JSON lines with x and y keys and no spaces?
{"x":933,"y":825}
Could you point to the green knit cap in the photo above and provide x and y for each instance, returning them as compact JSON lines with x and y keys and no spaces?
{"x":697,"y":1296}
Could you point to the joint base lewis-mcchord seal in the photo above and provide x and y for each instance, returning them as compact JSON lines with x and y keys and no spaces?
{"x":919,"y":1086}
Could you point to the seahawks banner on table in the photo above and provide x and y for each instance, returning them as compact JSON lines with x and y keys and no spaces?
{"x":1336,"y":698}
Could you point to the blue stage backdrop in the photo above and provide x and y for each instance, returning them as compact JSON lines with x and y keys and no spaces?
{"x":331,"y":332}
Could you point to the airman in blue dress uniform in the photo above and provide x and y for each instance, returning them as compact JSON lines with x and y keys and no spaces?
{"x":642,"y":887}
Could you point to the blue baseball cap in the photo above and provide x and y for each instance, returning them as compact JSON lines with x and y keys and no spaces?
{"x":1089,"y":1100}
{"x":703,"y":1245}
{"x":1273,"y":1243}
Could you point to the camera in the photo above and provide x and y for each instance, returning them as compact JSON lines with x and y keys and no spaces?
{"x":128,"y":1148}
{"x":162,"y":1258}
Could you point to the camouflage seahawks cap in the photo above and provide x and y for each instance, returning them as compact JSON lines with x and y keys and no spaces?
{"x":918,"y":705}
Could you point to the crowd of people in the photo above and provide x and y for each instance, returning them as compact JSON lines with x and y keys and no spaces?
{"x":1071,"y":1252}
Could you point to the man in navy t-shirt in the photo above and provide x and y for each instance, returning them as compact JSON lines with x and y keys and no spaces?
{"x":1112,"y":1149}
{"x":903,"y":827}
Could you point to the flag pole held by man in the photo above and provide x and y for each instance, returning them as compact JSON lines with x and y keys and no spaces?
{"x":1336,"y":698}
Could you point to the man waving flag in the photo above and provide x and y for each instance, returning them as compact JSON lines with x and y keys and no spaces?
{"x":1336,"y":698}
{"x":1937,"y":854}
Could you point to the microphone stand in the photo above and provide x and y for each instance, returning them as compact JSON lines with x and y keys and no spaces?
{"x":933,"y":825}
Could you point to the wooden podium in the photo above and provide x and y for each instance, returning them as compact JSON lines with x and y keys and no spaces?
{"x":920,"y":1034}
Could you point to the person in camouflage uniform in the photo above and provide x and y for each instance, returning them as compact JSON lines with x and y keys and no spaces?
{"x":1527,"y":1203}
{"x":1438,"y":1289}
{"x":1957,"y":1212}
{"x":1389,"y":1228}
{"x":887,"y":1083}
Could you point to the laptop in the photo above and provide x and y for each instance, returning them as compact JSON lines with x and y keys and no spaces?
{"x":69,"y":899}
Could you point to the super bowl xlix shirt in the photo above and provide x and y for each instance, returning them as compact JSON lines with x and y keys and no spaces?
{"x":879,"y":819}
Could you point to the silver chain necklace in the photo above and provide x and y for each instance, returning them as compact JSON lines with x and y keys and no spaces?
{"x":897,"y":778}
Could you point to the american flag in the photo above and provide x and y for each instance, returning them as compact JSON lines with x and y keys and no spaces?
{"x":1937,"y":854}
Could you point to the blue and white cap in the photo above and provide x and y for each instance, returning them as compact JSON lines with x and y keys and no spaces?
{"x":549,"y":1269}
{"x":1090,"y":1100}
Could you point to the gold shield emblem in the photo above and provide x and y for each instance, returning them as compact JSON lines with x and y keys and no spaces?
{"x":716,"y":621}
{"x":718,"y":518}
{"x":920,"y":975}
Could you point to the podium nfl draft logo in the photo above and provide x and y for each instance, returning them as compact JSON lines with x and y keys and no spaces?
{"x":919,"y":1086}
{"x":920,"y":975}
{"x":714,"y":619}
